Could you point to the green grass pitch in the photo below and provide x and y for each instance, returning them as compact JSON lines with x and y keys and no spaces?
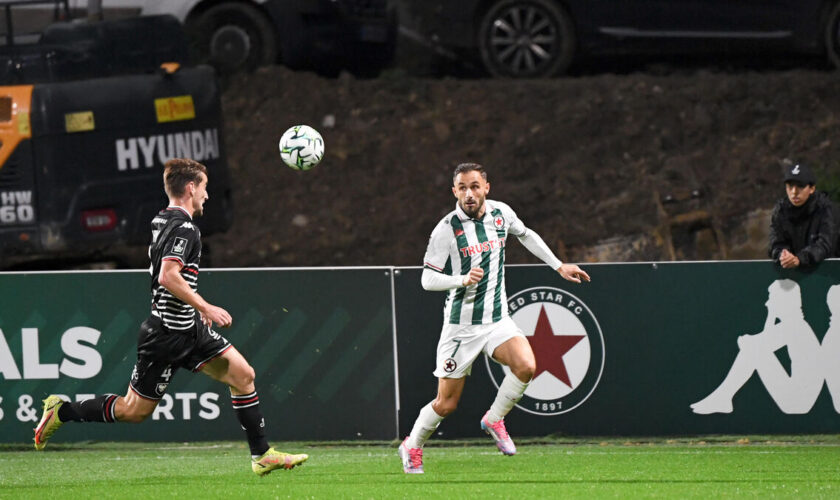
{"x":792,"y":467}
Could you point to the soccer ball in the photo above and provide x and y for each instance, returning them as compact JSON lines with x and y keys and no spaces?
{"x":301,"y":147}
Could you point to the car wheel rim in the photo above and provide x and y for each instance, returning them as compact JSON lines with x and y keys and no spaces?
{"x":230,"y":45}
{"x":523,"y":39}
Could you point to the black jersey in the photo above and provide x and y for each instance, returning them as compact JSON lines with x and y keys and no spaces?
{"x":174,"y":237}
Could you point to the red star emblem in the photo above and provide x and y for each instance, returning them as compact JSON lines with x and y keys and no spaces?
{"x":499,"y":222}
{"x":549,"y":349}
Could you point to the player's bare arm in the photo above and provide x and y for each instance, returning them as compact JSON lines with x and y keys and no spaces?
{"x":474,"y":276}
{"x":572,"y":272}
{"x":171,"y":279}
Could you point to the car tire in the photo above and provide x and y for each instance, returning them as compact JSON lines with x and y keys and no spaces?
{"x":526,"y":39}
{"x":233,"y":37}
{"x":832,"y":36}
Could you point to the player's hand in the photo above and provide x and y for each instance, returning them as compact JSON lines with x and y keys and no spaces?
{"x":573,"y":273}
{"x":788,"y":260}
{"x":213,"y":314}
{"x":473,"y":277}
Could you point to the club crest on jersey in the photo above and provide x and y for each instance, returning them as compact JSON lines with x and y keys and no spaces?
{"x":179,"y":246}
{"x":499,"y":222}
{"x":568,"y":345}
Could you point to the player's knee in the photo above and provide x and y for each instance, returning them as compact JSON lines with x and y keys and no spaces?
{"x":445,"y":407}
{"x":525,"y":371}
{"x":243,"y":380}
{"x":529,"y":371}
{"x":249,"y":375}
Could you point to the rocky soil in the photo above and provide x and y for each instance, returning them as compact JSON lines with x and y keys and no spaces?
{"x":645,"y":165}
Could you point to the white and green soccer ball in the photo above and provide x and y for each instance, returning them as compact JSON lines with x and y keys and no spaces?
{"x":301,"y":147}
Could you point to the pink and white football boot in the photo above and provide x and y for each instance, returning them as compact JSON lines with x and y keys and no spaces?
{"x":499,"y":434}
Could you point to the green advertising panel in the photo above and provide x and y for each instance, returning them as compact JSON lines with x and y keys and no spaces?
{"x":320,"y":341}
{"x":644,"y":349}
{"x":647,"y":349}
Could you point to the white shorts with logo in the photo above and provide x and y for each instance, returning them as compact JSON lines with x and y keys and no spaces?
{"x":459,"y":345}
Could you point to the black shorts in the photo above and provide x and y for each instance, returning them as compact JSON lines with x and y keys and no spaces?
{"x":160,"y":352}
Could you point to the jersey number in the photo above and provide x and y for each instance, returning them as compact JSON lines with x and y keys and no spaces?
{"x":458,"y":346}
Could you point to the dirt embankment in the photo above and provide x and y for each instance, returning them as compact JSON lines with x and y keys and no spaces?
{"x":604,"y":167}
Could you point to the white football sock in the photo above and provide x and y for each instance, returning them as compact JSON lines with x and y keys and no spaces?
{"x":510,"y":392}
{"x":424,"y":426}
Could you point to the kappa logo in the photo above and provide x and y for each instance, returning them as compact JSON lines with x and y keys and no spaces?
{"x":568,"y":344}
{"x":179,"y":246}
{"x":812,"y":361}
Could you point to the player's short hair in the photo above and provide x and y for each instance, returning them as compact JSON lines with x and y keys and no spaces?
{"x":469,"y":167}
{"x":178,"y":172}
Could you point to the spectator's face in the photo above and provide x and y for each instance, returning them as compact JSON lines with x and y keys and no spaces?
{"x":798,"y":193}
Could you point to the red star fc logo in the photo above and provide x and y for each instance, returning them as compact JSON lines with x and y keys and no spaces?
{"x":568,"y":345}
{"x":549,"y":349}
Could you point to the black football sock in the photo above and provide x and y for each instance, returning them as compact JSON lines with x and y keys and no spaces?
{"x":98,"y":409}
{"x":247,"y":409}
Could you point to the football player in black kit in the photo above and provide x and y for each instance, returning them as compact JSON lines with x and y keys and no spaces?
{"x":178,"y":333}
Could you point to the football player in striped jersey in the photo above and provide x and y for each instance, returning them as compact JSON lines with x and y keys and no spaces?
{"x":465,"y":257}
{"x":178,"y":333}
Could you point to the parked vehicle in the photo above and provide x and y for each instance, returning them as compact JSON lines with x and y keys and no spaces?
{"x":88,"y":116}
{"x":538,"y":38}
{"x":236,"y":35}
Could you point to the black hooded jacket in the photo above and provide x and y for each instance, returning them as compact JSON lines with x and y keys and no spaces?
{"x":809,"y":231}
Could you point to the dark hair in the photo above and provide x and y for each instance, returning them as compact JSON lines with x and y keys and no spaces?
{"x":469,"y":167}
{"x":178,"y":172}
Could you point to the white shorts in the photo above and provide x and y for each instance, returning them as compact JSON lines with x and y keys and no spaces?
{"x":460,"y":344}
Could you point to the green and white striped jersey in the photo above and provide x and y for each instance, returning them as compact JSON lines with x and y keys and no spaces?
{"x":459,"y":243}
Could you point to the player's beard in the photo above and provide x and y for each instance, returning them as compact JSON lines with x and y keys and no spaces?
{"x":473,"y":213}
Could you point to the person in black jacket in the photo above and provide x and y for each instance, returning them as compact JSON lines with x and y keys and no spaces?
{"x":802,"y":229}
